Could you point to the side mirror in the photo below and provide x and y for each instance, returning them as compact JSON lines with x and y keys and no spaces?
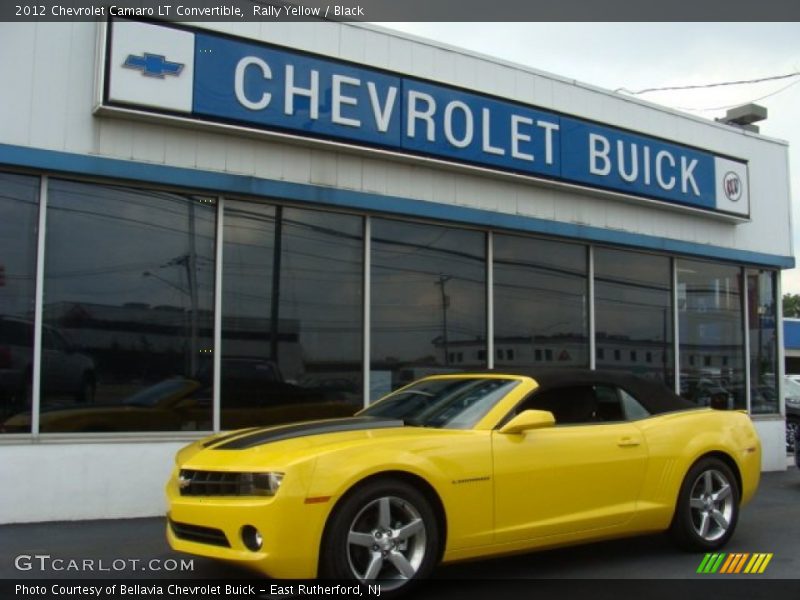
{"x":529,"y":419}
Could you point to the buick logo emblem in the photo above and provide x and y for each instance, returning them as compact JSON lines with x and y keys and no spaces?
{"x":732,"y":186}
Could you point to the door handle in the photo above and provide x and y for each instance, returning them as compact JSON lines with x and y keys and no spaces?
{"x":626,"y":442}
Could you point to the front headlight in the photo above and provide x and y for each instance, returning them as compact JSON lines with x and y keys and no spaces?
{"x":194,"y":482}
{"x":793,"y":401}
{"x":260,"y":484}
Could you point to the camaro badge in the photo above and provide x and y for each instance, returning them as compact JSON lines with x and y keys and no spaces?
{"x":153,"y":65}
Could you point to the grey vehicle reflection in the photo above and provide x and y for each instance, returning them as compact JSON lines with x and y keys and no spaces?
{"x":797,"y":447}
{"x":67,"y":372}
{"x":792,"y":396}
{"x":708,"y":390}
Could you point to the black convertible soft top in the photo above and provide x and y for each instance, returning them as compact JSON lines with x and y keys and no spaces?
{"x":653,"y":395}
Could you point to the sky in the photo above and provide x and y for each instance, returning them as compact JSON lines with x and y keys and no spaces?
{"x":636,"y":56}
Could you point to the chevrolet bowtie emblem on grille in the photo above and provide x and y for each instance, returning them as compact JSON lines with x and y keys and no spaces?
{"x":153,"y":65}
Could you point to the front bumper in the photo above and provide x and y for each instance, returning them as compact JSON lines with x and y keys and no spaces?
{"x":212,"y":526}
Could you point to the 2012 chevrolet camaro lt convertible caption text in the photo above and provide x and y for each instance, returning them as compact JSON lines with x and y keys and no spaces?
{"x":461,"y":466}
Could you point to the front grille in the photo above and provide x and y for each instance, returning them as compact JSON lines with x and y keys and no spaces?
{"x":201,"y":535}
{"x":214,"y":483}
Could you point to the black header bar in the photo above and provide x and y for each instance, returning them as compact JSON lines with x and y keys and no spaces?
{"x":405,"y":10}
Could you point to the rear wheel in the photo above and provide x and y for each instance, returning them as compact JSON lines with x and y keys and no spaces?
{"x":708,"y":506}
{"x":382,"y":533}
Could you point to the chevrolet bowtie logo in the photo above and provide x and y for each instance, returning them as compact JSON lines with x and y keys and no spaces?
{"x":153,"y":65}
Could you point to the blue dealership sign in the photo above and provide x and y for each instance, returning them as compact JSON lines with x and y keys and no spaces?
{"x":265,"y":87}
{"x":616,"y":160}
{"x":262,"y":86}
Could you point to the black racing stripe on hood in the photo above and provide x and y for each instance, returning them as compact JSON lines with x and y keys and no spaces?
{"x":306,"y":429}
{"x":233,"y":434}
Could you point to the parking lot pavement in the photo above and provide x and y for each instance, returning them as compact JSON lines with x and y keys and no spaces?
{"x":137,"y":548}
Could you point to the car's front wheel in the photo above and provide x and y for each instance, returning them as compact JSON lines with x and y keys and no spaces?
{"x":707,"y":508}
{"x":384,"y":532}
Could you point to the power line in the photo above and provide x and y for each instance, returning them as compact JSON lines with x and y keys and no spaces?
{"x":775,"y":93}
{"x":708,"y":85}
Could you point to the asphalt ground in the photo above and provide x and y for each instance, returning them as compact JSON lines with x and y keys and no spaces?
{"x":136,"y":549}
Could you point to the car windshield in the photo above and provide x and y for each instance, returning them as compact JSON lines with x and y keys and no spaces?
{"x":445,"y":403}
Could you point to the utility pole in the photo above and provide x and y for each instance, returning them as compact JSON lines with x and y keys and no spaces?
{"x":443,"y":279}
{"x":275,"y":302}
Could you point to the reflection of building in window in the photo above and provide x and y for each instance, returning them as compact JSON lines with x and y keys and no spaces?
{"x":139,"y":340}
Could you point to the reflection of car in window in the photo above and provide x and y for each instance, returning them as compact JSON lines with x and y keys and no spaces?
{"x":708,"y":391}
{"x":65,"y":371}
{"x":253,"y":393}
{"x":791,"y":389}
{"x":797,"y":447}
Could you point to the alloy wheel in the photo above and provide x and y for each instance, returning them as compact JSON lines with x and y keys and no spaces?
{"x":386,"y":542}
{"x":711,"y":502}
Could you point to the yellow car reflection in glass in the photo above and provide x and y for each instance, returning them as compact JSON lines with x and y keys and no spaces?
{"x":460,"y":466}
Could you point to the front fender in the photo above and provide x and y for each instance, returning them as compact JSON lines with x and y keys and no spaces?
{"x":459,"y":474}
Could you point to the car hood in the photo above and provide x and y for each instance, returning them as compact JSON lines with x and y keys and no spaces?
{"x":244,"y":440}
{"x":270,"y":447}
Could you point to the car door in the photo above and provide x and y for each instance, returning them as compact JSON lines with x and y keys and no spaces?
{"x":582,"y":475}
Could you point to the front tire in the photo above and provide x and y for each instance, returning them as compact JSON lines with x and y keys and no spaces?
{"x":708,"y":507}
{"x":384,"y":532}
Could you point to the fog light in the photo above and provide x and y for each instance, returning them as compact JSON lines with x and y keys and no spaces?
{"x":252,"y":538}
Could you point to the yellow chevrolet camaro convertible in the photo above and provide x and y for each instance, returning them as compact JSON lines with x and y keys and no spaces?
{"x":460,"y":466}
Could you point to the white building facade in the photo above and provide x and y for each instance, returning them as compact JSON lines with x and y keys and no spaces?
{"x":226,"y":224}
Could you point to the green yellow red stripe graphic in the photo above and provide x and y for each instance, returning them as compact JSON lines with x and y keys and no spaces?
{"x":735,"y":562}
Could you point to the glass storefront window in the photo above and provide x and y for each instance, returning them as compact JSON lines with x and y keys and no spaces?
{"x":19,"y":212}
{"x":633,"y":313}
{"x":762,"y":320}
{"x":128,"y":305}
{"x":428,"y":302}
{"x":292,"y":315}
{"x":711,"y":334}
{"x":540,"y":303}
